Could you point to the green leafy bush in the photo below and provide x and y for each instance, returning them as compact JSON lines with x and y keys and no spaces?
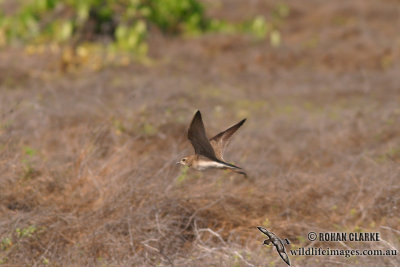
{"x":175,"y":16}
{"x":122,"y":25}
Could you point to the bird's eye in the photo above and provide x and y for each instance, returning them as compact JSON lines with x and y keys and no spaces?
{"x":183,"y":160}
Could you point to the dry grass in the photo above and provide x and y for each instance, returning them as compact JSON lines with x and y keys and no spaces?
{"x":88,"y":159}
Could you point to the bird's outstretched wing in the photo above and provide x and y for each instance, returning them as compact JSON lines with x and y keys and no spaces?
{"x":284,"y":256}
{"x":198,"y":138}
{"x":221,"y":140}
{"x":264,"y":231}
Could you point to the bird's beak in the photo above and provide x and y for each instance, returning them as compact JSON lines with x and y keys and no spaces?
{"x":178,"y":162}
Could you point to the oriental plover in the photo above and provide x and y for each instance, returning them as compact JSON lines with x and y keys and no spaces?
{"x":209,"y":152}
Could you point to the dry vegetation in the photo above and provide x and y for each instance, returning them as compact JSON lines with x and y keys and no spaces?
{"x":87,"y":159}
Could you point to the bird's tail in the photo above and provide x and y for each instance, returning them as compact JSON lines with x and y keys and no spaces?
{"x":240,"y":171}
{"x":234,"y":168}
{"x":237,"y":170}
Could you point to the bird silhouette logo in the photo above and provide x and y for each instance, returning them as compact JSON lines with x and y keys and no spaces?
{"x":277,"y":242}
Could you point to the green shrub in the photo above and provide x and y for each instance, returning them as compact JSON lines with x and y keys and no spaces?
{"x":175,"y":16}
{"x":122,"y":24}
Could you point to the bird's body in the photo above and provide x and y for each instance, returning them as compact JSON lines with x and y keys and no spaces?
{"x":202,"y":163}
{"x":209,"y":153}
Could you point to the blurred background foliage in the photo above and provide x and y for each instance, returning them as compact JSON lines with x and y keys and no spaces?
{"x":87,"y":158}
{"x":83,"y":26}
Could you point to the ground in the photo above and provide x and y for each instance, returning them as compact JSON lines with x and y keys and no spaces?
{"x":87,"y":158}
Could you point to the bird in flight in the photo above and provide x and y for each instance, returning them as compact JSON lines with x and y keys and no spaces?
{"x":277,"y":242}
{"x":209,"y":153}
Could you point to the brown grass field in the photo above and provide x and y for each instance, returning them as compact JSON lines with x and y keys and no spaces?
{"x":87,"y":158}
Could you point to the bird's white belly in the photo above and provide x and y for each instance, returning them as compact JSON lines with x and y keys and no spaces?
{"x":204,"y":165}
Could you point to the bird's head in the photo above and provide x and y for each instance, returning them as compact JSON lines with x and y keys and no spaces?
{"x":185,"y":161}
{"x":267,"y":242}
